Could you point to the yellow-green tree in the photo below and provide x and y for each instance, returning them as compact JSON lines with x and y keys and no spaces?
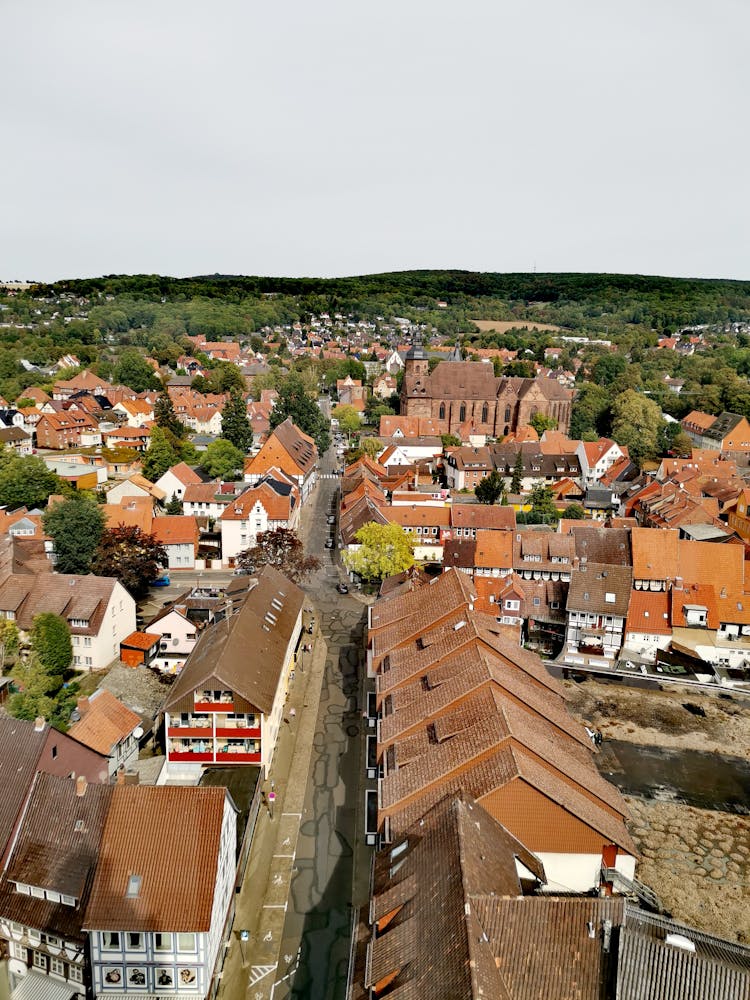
{"x":348,"y":418}
{"x":384,"y":549}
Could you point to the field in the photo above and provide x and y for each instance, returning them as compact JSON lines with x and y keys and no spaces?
{"x":502,"y":326}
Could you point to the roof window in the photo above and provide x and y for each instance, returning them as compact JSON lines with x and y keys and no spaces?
{"x":133,"y":890}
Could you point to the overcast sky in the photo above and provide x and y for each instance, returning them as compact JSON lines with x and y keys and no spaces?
{"x":339,"y":137}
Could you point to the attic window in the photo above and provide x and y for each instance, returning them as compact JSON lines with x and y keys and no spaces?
{"x":78,"y":827}
{"x":133,"y":890}
{"x":609,"y":598}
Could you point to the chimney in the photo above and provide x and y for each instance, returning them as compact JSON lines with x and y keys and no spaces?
{"x":81,"y":786}
{"x":677,"y":585}
{"x":39,"y":723}
{"x":82,"y":704}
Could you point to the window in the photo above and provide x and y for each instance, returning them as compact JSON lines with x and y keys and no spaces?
{"x":57,"y":967}
{"x":133,"y":890}
{"x":512,"y":605}
{"x":485,"y":413}
{"x":441,"y":412}
{"x":54,"y":752}
{"x":186,"y":942}
{"x":19,"y":952}
{"x":537,"y":602}
{"x":88,"y":661}
{"x":39,"y":960}
{"x":87,"y":640}
{"x":507,"y":414}
{"x":462,"y":412}
{"x":399,"y":849}
{"x":110,"y":941}
{"x":75,"y":973}
{"x":162,"y":942}
{"x":135,"y":941}
{"x":609,"y":598}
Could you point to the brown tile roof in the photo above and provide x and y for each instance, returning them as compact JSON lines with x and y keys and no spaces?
{"x":299,"y":445}
{"x":104,"y":722}
{"x":176,"y":854}
{"x":654,"y":553}
{"x":222,"y":650}
{"x":418,"y":515}
{"x":591,"y":584}
{"x":277,"y":505}
{"x":71,"y":597}
{"x":56,"y":849}
{"x":479,"y":515}
{"x":601,"y":545}
{"x":131,"y":512}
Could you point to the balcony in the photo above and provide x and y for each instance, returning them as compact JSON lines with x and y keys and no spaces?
{"x":237,"y":758}
{"x":191,"y":731}
{"x":214,"y":706}
{"x":190,"y":757}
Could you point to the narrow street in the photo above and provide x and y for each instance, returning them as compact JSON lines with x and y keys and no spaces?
{"x":330,"y":868}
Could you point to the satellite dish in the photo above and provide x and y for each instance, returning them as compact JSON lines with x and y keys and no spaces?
{"x":175,"y":642}
{"x":138,"y":732}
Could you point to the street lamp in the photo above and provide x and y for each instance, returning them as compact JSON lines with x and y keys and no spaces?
{"x":244,"y":938}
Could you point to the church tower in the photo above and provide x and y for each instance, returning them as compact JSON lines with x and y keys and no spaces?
{"x":416,"y":362}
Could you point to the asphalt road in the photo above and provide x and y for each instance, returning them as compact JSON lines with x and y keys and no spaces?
{"x":330,"y":867}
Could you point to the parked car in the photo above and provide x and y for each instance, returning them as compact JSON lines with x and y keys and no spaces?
{"x":163,"y":581}
{"x":244,"y":571}
{"x":342,"y":588}
{"x":331,"y":519}
{"x":329,"y":543}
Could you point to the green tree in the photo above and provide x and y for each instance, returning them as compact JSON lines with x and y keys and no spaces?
{"x":541,"y":423}
{"x":517,"y":477}
{"x":51,"y":643}
{"x":25,"y":482}
{"x":490,"y":489}
{"x":637,"y":424}
{"x":133,"y":370}
{"x":370,"y":446}
{"x":37,"y":689}
{"x":165,"y":416}
{"x":75,"y":526}
{"x":160,"y":455}
{"x":235,"y":427}
{"x":609,"y":369}
{"x":226,"y":377}
{"x":9,"y":640}
{"x":384,"y":549}
{"x":543,"y":503}
{"x":450,"y":441}
{"x":295,"y":403}
{"x":174,"y":506}
{"x":348,"y":419}
{"x":282,"y":549}
{"x":590,"y":411}
{"x":222,"y":460}
{"x":574,"y":512}
{"x":133,"y":557}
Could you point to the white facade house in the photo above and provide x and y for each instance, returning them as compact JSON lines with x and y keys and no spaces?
{"x":178,"y":638}
{"x":268,"y":506}
{"x":597,"y":458}
{"x":161,"y":904}
{"x":174,"y":480}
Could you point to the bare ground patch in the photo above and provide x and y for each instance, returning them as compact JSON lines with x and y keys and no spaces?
{"x":661,"y":718}
{"x":502,"y":326}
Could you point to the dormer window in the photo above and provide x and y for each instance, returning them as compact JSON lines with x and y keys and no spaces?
{"x":79,"y":622}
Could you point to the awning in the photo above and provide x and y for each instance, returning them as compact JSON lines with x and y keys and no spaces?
{"x":35,"y":986}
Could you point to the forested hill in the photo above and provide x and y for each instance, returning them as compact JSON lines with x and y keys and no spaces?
{"x":451,"y":286}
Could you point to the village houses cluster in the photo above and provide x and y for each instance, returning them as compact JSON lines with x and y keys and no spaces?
{"x":481,"y":777}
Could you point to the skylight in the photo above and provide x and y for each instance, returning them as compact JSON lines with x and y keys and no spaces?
{"x":134,"y":887}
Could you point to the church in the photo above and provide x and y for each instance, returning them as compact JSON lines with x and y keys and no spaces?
{"x":460,"y":392}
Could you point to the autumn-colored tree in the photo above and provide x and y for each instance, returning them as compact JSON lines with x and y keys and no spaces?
{"x":282,"y":549}
{"x":135,"y":558}
{"x":384,"y":549}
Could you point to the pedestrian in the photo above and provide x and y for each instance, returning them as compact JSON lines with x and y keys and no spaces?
{"x":293,"y":712}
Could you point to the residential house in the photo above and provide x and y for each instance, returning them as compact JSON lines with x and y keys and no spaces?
{"x":161,"y":903}
{"x":597,"y":608}
{"x":135,"y":486}
{"x":289,"y":450}
{"x":177,"y":479}
{"x":209,"y":500}
{"x":351,"y":392}
{"x":27,"y":748}
{"x":727,"y":433}
{"x":131,"y":512}
{"x":226,"y":707}
{"x":109,"y":727}
{"x":597,"y":457}
{"x":272,"y":503}
{"x":467,"y":519}
{"x":179,"y":534}
{"x":45,"y":887}
{"x":98,"y":610}
{"x":461,"y":708}
{"x":84,"y":381}
{"x":67,"y":430}
{"x":425,"y":525}
{"x":384,"y":386}
{"x":177,"y":633}
{"x":135,"y":412}
{"x":137,"y":438}
{"x":16,"y":440}
{"x":648,"y":627}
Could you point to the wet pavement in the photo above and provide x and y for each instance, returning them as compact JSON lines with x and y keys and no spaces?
{"x":693,"y":777}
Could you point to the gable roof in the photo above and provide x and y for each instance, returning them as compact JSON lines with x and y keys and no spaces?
{"x":177,"y":864}
{"x":104,"y":722}
{"x":264,"y":624}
